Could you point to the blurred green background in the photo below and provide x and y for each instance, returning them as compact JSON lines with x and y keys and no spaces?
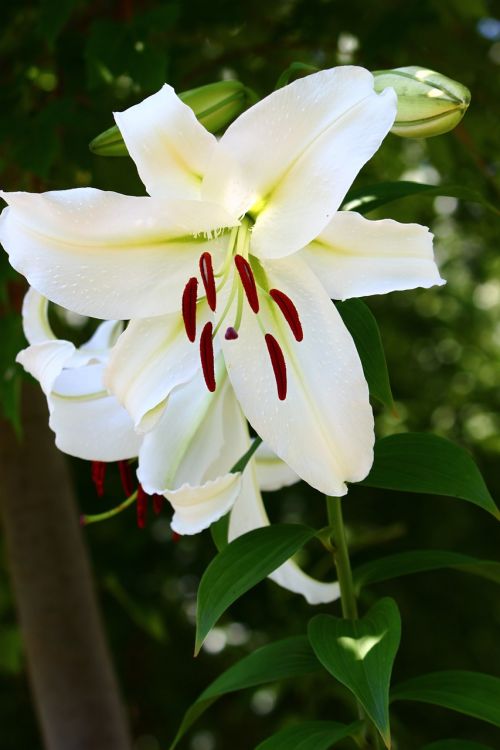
{"x":65,"y":66}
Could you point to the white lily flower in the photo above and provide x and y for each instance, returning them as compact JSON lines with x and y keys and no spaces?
{"x":185,"y":457}
{"x":254,"y":219}
{"x":88,"y":422}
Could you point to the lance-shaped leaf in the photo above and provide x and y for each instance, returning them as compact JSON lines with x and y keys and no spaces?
{"x":311,"y":735}
{"x":363,"y":327}
{"x":241,"y":565}
{"x":470,"y":693}
{"x":291,"y":657}
{"x":360,"y":654}
{"x":419,"y":561}
{"x":422,"y":462}
{"x":365,"y":199}
{"x":456,"y":745}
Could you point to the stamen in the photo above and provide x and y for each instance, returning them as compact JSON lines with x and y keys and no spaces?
{"x":158,"y":501}
{"x":279,"y":365}
{"x":207,"y":356}
{"x":208,"y":278}
{"x":175,"y":537}
{"x":247,"y":279}
{"x":142,"y":507}
{"x":126,"y":477}
{"x":98,"y":474}
{"x":289,"y":311}
{"x":231,"y":334}
{"x":189,"y":296}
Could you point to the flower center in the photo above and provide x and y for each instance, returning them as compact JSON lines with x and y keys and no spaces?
{"x":248,"y":280}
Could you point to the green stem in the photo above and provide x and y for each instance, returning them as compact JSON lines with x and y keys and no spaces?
{"x":347,"y":594}
{"x":85,"y":520}
{"x":341,"y":558}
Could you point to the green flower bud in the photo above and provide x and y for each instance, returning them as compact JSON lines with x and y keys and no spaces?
{"x":428,"y":103}
{"x":215,"y":105}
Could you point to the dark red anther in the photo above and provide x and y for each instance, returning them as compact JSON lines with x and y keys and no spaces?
{"x":98,"y":474}
{"x":208,"y":278}
{"x":126,"y":477}
{"x":231,"y":334}
{"x":158,"y":501}
{"x":247,"y":279}
{"x":141,"y":507}
{"x":175,"y":537}
{"x":289,"y":311}
{"x":278,"y":363}
{"x":189,"y":297}
{"x":207,"y":356}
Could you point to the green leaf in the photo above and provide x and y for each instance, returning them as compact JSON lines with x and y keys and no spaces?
{"x":360,"y":654}
{"x":455,"y":745}
{"x":468,"y":693}
{"x":311,"y":735}
{"x":290,"y":657}
{"x":422,"y":462}
{"x":419,"y":561}
{"x":363,"y":327}
{"x":293,"y":68}
{"x":241,"y":565}
{"x":366,"y":199}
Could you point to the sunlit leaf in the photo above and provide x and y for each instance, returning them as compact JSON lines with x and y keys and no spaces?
{"x":422,"y":462}
{"x":291,"y":657}
{"x":360,"y":654}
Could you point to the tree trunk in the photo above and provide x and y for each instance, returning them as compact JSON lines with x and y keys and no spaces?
{"x":73,"y":684}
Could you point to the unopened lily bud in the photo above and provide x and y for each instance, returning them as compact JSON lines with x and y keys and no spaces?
{"x":428,"y":103}
{"x":215,"y":105}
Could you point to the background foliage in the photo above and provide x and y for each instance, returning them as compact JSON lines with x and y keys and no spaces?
{"x":65,"y":66}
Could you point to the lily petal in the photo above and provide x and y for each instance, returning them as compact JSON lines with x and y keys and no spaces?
{"x":187,"y":456}
{"x":45,"y":361}
{"x":151,"y":358}
{"x":354,"y":256}
{"x":194,"y":441}
{"x":87,"y":421}
{"x":272,"y":473}
{"x":170,"y":148}
{"x":290,"y":159}
{"x":109,"y":255}
{"x":36,"y":324}
{"x":323,"y":429}
{"x":196,"y":508}
{"x":249,"y":513}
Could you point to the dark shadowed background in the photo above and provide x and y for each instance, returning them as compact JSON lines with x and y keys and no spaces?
{"x":65,"y":67}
